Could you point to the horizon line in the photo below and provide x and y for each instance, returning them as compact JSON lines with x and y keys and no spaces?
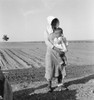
{"x":44,"y":41}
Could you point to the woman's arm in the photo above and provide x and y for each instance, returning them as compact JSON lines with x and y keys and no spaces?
{"x":47,"y":42}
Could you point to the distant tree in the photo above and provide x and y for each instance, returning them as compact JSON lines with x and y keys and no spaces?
{"x":5,"y":38}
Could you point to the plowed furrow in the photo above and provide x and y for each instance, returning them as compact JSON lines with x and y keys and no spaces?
{"x":14,"y":58}
{"x":22,"y":61}
{"x":33,"y":53}
{"x":11,"y":61}
{"x":36,"y":62}
{"x":24,"y":58}
{"x":3,"y":57}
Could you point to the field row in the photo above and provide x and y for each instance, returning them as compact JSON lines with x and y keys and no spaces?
{"x":20,"y":58}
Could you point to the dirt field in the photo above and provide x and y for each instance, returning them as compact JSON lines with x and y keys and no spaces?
{"x":23,"y":65}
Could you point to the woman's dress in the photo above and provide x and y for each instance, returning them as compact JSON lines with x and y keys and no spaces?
{"x":52,"y":62}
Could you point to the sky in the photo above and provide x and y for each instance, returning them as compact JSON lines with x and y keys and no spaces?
{"x":26,"y":20}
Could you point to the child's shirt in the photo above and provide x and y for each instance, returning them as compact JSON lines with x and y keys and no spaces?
{"x":61,"y":43}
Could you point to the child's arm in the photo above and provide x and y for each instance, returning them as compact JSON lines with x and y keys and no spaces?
{"x":65,"y":41}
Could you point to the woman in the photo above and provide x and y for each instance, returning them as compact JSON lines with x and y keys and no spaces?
{"x":51,"y":61}
{"x":5,"y":88}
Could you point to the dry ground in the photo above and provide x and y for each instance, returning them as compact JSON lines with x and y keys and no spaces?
{"x":23,"y":65}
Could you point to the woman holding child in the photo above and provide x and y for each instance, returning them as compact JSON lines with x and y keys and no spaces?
{"x":55,"y":61}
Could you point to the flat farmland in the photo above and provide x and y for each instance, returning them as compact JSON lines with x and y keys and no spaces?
{"x":15,"y":55}
{"x":23,"y":64}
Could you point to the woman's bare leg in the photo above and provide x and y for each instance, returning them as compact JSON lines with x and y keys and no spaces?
{"x":49,"y":86}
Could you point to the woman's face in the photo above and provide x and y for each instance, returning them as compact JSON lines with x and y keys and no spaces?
{"x":57,"y":24}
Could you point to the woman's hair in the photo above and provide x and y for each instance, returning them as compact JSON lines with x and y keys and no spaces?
{"x":54,"y":23}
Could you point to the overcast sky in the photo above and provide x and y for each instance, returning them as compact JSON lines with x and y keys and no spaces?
{"x":25,"y":20}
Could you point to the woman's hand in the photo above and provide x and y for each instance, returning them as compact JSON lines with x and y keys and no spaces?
{"x":57,"y":50}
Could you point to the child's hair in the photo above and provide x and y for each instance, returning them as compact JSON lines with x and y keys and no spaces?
{"x":59,"y":30}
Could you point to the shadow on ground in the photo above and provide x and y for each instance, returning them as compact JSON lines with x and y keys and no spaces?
{"x":56,"y":95}
{"x":79,"y":81}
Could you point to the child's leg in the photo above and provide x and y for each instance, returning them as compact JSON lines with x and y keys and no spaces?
{"x":64,"y":58}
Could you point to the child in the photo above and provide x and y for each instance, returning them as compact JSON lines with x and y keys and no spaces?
{"x":60,"y":42}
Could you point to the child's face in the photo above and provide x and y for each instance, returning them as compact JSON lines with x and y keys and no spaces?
{"x":58,"y":33}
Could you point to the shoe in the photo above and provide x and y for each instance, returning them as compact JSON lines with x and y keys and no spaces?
{"x":1,"y":98}
{"x":50,"y":89}
{"x":60,"y":84}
